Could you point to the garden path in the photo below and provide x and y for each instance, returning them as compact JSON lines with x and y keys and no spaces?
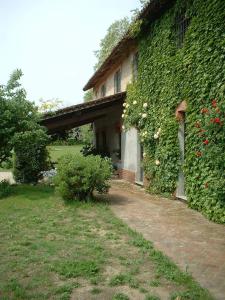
{"x":194,"y":243}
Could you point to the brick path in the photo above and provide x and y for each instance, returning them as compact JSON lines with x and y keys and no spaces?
{"x":187,"y":237}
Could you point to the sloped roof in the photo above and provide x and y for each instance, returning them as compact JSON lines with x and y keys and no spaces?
{"x":80,"y":114}
{"x":153,"y":10}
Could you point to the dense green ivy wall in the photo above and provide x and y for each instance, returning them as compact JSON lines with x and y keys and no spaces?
{"x":167,"y":76}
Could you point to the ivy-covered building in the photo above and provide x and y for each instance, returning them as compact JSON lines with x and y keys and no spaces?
{"x":165,"y":82}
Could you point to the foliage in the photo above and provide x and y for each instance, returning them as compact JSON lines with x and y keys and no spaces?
{"x":114,"y":33}
{"x":167,"y":76}
{"x":88,"y":95}
{"x":16,"y":114}
{"x":88,"y":149}
{"x":78,"y":176}
{"x":5,"y":189}
{"x":31,"y":155}
{"x":50,"y":105}
{"x":120,"y":296}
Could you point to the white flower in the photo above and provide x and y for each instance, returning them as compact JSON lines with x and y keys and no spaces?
{"x":157,"y":162}
{"x":128,"y":105}
{"x":124,"y":111}
{"x":144,"y":154}
{"x":123,"y":127}
{"x":159,"y":130}
{"x":145,"y":132}
{"x":144,"y":116}
{"x":145,"y":105}
{"x":140,"y":114}
{"x":123,"y":115}
{"x":135,"y":102}
{"x":124,"y":104}
{"x":156,"y":136}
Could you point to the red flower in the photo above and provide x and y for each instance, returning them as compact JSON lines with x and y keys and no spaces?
{"x":217,"y":120}
{"x":206,"y":142}
{"x":198,"y":153}
{"x":204,"y":111}
{"x":214,"y":103}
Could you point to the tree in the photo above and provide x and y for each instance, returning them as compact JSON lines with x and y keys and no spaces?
{"x":88,"y":95}
{"x":114,"y":33}
{"x":17,"y":114}
{"x":50,"y":105}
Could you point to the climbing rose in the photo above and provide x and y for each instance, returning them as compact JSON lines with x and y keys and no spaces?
{"x":135,"y":102}
{"x":156,"y":136}
{"x":197,"y":124}
{"x":217,"y":120}
{"x":124,"y":104}
{"x":206,"y":142}
{"x":123,"y":115}
{"x":214,"y":103}
{"x":198,"y":153}
{"x":128,"y":105}
{"x":204,"y":110}
{"x":145,"y":105}
{"x":144,"y":116}
{"x":157,"y":162}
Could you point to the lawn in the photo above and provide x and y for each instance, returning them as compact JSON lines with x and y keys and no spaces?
{"x":50,"y":250}
{"x":57,"y":151}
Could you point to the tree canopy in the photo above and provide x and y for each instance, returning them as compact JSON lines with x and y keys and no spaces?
{"x":17,"y":114}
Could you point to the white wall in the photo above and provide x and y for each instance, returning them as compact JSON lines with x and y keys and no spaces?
{"x":126,"y":77}
{"x":130,"y":149}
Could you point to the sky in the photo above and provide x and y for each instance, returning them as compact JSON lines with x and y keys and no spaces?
{"x":53,"y":42}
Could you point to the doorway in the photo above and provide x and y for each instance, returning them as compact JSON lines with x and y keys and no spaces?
{"x":180,"y":193}
{"x":140,"y":170}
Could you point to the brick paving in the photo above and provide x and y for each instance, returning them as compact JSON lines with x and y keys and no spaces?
{"x":194,"y":243}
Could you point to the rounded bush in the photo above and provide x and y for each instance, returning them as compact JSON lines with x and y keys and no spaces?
{"x":78,"y":176}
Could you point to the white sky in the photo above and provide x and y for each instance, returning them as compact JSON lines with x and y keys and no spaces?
{"x":52,"y":41}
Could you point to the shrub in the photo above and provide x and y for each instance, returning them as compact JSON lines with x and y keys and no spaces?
{"x":5,"y":189}
{"x":78,"y":176}
{"x":31,"y":155}
{"x":88,"y":149}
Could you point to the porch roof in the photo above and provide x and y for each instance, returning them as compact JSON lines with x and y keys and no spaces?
{"x":80,"y":114}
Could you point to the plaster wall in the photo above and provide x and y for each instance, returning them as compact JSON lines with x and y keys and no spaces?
{"x":130,"y":151}
{"x":108,"y":80}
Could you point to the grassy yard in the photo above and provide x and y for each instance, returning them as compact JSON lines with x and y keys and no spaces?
{"x":57,"y":151}
{"x":49,"y":250}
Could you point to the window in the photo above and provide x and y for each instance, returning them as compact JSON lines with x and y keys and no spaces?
{"x":103,"y":90}
{"x":181,"y":27}
{"x":117,"y":82}
{"x":135,"y":66}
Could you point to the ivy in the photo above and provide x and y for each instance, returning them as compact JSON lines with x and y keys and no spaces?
{"x":167,"y":76}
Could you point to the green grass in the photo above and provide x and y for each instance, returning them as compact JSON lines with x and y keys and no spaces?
{"x":57,"y":151}
{"x":48,"y":249}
